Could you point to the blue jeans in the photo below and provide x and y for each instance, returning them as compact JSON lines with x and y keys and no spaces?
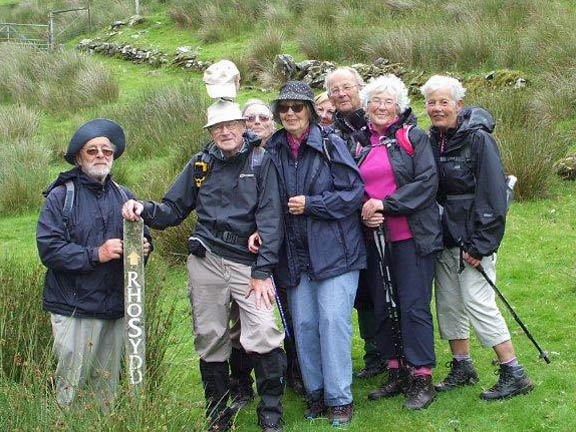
{"x":322,"y":318}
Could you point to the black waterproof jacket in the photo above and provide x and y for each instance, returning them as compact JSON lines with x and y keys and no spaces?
{"x":235,"y":200}
{"x":76,"y":283}
{"x":417,"y":183}
{"x":472,"y":183}
{"x":344,"y":127}
{"x":330,"y":224}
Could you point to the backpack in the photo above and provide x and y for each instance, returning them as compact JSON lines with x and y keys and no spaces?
{"x":69,"y":203}
{"x":401,"y":136}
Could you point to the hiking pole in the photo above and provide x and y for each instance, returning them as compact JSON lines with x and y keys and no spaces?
{"x":393,"y":309}
{"x":281,"y":310}
{"x":543,"y":354}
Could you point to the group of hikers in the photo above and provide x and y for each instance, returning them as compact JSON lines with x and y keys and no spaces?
{"x":348,"y":205}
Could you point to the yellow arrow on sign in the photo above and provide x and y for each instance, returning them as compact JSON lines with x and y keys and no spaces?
{"x":134,"y":259}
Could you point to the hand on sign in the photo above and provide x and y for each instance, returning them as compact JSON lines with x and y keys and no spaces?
{"x":111,"y":249}
{"x":131,"y":210}
{"x":146,"y":246}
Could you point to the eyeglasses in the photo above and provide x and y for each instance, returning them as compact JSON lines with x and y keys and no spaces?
{"x":253,"y":117}
{"x":93,"y":151}
{"x":296,"y":108}
{"x":220,"y":126}
{"x":386,"y":102}
{"x":340,"y":90}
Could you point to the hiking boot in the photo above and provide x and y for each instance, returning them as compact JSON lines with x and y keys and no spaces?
{"x":420,"y":393}
{"x":372,"y":370}
{"x":271,"y":427}
{"x":316,"y":408}
{"x":340,"y":415}
{"x":396,"y":384}
{"x":221,"y":421}
{"x":512,"y":381}
{"x":240,"y":395}
{"x":461,"y":373}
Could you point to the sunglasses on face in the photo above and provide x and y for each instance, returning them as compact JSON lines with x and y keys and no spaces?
{"x":296,"y":108}
{"x":253,"y":117}
{"x":94,"y":151}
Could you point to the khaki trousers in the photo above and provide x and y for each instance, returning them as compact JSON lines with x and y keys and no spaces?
{"x":213,"y":283}
{"x":88,"y":352}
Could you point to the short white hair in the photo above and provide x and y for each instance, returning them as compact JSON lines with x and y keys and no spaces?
{"x":437,"y":82}
{"x":255,"y":101}
{"x":345,"y":69}
{"x":387,"y":83}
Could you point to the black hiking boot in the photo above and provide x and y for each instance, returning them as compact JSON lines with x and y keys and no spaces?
{"x":370,"y":371}
{"x":270,"y":369}
{"x":241,"y":394}
{"x":420,"y":393}
{"x":216,"y":382}
{"x":461,"y":373}
{"x":512,"y":382}
{"x":396,"y":384}
{"x":316,"y":406}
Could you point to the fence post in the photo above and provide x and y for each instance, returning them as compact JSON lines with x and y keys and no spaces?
{"x":89,"y":17}
{"x":51,"y":41}
{"x":137,"y":6}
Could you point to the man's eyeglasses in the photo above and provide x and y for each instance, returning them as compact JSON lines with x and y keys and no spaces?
{"x":93,"y":151}
{"x":220,"y":126}
{"x":340,"y":90}
{"x":296,"y":108}
{"x":253,"y":117}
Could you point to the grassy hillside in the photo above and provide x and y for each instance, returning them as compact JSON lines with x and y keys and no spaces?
{"x":44,"y":97}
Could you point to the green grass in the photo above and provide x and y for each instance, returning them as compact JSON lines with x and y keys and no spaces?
{"x":536,"y":273}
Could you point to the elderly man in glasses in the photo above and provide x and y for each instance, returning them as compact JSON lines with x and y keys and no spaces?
{"x":79,"y":240}
{"x":343,"y":86}
{"x":234,"y":189}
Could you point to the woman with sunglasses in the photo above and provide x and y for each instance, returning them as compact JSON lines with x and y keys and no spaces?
{"x":323,"y":250}
{"x":259,"y":119}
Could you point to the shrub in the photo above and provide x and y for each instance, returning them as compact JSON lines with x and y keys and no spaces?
{"x":160,"y":120}
{"x":18,"y":122}
{"x":60,"y":82}
{"x":529,"y":148}
{"x":24,"y":174}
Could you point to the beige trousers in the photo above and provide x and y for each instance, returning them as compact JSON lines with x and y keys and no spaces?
{"x":213,"y":283}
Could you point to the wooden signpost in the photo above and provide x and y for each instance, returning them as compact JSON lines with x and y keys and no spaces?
{"x":134,"y":304}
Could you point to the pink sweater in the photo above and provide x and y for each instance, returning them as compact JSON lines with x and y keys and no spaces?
{"x":379,"y":182}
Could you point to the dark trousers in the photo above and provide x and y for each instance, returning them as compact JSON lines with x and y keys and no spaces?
{"x":412,"y":277}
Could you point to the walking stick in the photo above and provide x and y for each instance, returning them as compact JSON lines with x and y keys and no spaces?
{"x":281,"y":310}
{"x":392,"y":306}
{"x":543,"y":354}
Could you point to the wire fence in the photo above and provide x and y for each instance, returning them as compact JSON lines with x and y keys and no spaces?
{"x":61,"y":26}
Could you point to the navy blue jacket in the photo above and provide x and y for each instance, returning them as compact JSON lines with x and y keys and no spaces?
{"x":76,"y":283}
{"x":330,"y":226}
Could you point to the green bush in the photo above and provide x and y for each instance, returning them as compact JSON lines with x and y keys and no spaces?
{"x":24,"y":174}
{"x":18,"y":122}
{"x":60,"y":82}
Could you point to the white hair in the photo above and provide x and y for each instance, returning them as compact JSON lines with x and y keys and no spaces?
{"x":345,"y":69}
{"x":387,"y":83}
{"x":437,"y":82}
{"x":255,"y":101}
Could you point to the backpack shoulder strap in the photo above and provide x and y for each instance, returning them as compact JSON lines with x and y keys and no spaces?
{"x":67,"y":208}
{"x":122,"y":191}
{"x":403,"y":138}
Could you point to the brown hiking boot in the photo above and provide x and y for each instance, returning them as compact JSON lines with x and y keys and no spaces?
{"x":340,"y":415}
{"x":316,"y":408}
{"x":396,"y":384}
{"x":512,"y":382}
{"x":461,"y":373}
{"x":421,"y":392}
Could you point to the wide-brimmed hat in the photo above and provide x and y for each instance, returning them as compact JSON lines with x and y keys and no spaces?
{"x":220,"y":79}
{"x":223,"y":111}
{"x":295,"y":90}
{"x":100,"y":127}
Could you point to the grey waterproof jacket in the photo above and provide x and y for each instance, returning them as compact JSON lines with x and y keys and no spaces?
{"x":417,"y":183}
{"x":472,"y":183}
{"x":238,"y":197}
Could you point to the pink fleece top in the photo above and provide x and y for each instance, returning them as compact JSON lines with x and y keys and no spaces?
{"x":379,"y":182}
{"x":294,"y":143}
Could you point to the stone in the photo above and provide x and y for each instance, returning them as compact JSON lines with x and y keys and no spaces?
{"x":566,"y":167}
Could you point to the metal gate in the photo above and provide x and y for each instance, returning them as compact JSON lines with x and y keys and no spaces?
{"x":25,"y":34}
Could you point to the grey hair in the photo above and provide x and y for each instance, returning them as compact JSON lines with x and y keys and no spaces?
{"x":346,"y":69}
{"x":437,"y":82}
{"x":387,"y":83}
{"x":255,"y":101}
